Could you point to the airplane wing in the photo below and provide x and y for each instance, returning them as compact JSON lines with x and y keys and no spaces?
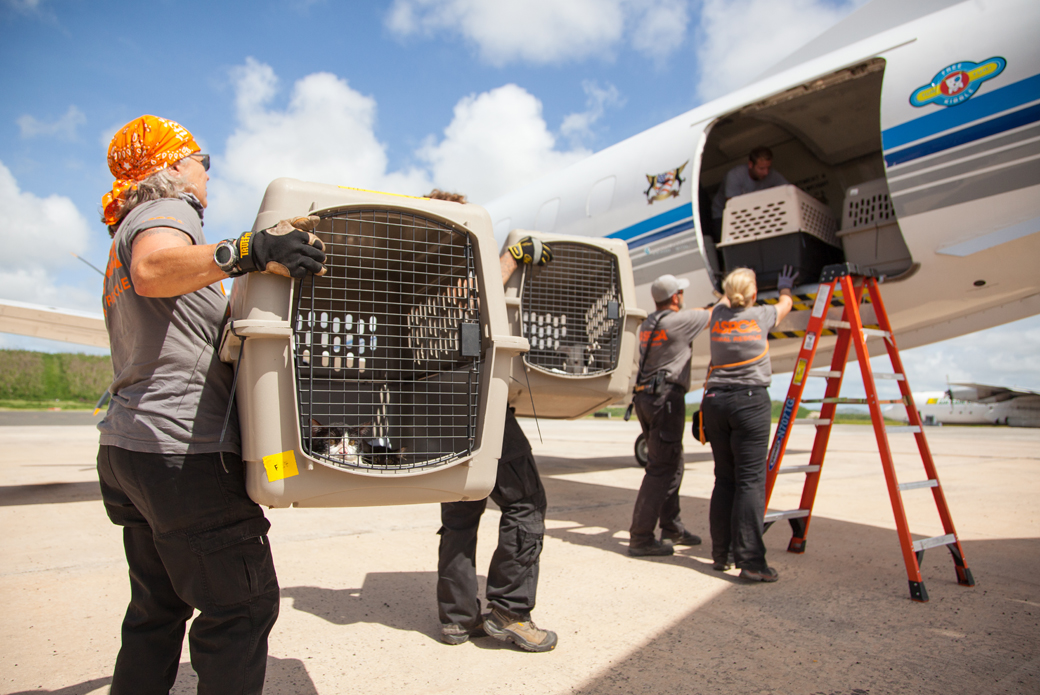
{"x":983,"y":393}
{"x":50,"y":322}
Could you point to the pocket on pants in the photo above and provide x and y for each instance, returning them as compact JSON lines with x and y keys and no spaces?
{"x":235,"y":563}
{"x":530,"y":538}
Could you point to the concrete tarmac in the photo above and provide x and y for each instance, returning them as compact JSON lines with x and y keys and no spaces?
{"x":358,"y":585}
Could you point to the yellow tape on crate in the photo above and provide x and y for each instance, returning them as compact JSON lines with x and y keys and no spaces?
{"x":281,"y":466}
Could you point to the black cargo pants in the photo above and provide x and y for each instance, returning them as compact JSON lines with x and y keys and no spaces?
{"x":663,"y":418}
{"x":512,"y":580}
{"x":193,"y":540}
{"x":736,"y":422}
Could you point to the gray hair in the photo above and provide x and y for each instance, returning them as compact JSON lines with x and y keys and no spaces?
{"x":161,"y":184}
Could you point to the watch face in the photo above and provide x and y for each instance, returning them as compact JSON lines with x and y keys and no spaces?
{"x":222,"y":255}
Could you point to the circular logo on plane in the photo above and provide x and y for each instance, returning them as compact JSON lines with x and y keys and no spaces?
{"x":957,"y":83}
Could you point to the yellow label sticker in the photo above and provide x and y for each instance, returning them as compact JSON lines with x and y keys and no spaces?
{"x":799,"y":373}
{"x":281,"y":466}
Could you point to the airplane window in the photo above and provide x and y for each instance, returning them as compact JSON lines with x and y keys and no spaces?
{"x":545,"y":220}
{"x":600,"y":197}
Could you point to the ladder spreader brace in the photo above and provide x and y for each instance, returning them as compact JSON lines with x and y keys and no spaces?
{"x":852,"y":281}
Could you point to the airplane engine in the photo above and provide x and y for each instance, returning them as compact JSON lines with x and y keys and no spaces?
{"x":385,"y":380}
{"x":580,"y":318}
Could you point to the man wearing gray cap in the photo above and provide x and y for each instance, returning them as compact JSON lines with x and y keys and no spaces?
{"x":665,"y":344}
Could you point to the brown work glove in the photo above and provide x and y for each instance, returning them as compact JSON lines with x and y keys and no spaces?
{"x":290,"y":248}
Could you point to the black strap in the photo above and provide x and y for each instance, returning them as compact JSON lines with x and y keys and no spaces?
{"x":649,"y":344}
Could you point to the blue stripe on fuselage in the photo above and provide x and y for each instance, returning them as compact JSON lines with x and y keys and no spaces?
{"x":973,"y":109}
{"x":961,"y":137}
{"x":652,"y":224}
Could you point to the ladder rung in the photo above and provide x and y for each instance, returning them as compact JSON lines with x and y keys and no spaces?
{"x":926,"y":543}
{"x":811,"y":468}
{"x":811,"y":421}
{"x":887,"y":375}
{"x":918,"y":485}
{"x":792,"y":514}
{"x":829,"y":323}
{"x":898,"y":430}
{"x":876,"y":332}
{"x":827,"y":374}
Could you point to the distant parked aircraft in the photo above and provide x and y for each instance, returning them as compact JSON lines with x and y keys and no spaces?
{"x":976,"y":404}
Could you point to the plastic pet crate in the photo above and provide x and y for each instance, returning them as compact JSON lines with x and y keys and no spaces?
{"x":869,"y":232}
{"x":385,"y":380}
{"x":769,"y":229}
{"x":579,"y":315}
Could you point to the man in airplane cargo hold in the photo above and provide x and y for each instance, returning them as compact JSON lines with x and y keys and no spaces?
{"x":170,"y":472}
{"x":756,"y":175}
{"x":512,"y":579}
{"x":665,"y":345}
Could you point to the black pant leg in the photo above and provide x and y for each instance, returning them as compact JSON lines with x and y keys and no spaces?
{"x":212,"y":541}
{"x":715,"y":410}
{"x":153,"y":627}
{"x":457,"y":588}
{"x":512,"y":582}
{"x":658,"y":497}
{"x":749,"y":442}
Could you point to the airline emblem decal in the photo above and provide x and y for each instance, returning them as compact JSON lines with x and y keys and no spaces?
{"x":666,"y":185}
{"x":957,"y":83}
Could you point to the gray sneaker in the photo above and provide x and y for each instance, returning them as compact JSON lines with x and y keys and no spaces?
{"x":453,"y":633}
{"x":523,"y":633}
{"x":767,"y":575}
{"x":653,"y":548}
{"x":684,"y":538}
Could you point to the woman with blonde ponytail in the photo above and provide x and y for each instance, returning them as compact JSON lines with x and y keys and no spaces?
{"x":736,"y":415}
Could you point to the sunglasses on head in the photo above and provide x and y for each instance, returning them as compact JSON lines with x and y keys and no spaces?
{"x":203,"y":159}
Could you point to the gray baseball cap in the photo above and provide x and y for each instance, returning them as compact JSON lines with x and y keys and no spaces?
{"x":667,"y":285}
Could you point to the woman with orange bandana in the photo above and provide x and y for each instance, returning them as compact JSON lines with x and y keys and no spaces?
{"x":170,"y":474}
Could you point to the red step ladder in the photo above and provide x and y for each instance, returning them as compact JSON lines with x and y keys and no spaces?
{"x":851,"y":283}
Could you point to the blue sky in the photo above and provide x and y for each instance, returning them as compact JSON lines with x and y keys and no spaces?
{"x":477,"y":96}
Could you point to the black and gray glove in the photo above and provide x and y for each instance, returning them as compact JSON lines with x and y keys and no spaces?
{"x":290,"y":248}
{"x":531,"y":250}
{"x":786,"y":279}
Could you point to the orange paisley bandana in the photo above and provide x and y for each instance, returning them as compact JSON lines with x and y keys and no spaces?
{"x":142,"y":147}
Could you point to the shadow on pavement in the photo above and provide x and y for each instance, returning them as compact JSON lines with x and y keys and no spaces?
{"x":49,"y":493}
{"x":283,"y":676}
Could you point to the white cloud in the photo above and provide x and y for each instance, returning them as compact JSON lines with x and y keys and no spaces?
{"x":38,"y":235}
{"x":496,"y":141}
{"x":546,"y":31}
{"x":740,"y":39}
{"x":579,"y":125}
{"x":661,"y":29}
{"x":325,"y":133}
{"x":63,"y":128}
{"x":24,"y":6}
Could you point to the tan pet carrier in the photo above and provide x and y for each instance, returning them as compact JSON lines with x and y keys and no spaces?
{"x":579,"y":315}
{"x":384,"y":381}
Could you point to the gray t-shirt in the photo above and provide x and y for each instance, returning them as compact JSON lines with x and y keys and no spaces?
{"x":738,"y":181}
{"x":170,"y":391}
{"x":670,"y":343}
{"x":740,"y":335}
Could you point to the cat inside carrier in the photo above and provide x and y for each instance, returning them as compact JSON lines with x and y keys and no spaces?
{"x":383,"y":381}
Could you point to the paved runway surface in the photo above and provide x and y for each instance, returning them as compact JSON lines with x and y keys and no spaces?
{"x":359,"y":616}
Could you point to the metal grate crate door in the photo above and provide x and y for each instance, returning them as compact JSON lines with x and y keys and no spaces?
{"x":571,"y":311}
{"x":387,"y":344}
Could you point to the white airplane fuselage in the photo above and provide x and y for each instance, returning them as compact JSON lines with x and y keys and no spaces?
{"x":943,"y":110}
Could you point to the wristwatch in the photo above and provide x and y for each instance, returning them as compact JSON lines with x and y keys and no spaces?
{"x":227,"y":259}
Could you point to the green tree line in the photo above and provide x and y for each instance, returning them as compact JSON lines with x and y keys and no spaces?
{"x":39,"y":376}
